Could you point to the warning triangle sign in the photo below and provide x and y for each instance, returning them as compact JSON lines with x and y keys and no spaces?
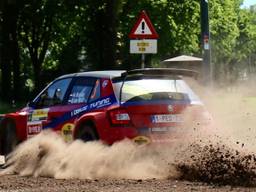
{"x":143,"y":28}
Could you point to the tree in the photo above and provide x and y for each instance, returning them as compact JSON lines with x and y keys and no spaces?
{"x":10,"y":60}
{"x":176,"y":22}
{"x":101,"y":33}
{"x":246,"y":42}
{"x":36,"y":32}
{"x":224,"y":33}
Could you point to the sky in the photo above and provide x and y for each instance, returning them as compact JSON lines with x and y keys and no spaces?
{"x":248,"y":3}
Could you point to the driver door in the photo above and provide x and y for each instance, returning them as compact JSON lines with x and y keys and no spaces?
{"x":48,"y":107}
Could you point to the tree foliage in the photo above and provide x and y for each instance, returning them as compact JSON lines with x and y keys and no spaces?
{"x":232,"y":38}
{"x":42,"y":39}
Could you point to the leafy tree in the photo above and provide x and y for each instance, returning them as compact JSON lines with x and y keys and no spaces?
{"x":46,"y":38}
{"x":246,"y":42}
{"x":176,"y":22}
{"x":224,"y":33}
{"x":37,"y":30}
{"x":101,"y":33}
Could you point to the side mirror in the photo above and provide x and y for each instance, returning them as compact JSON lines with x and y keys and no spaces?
{"x":30,"y":104}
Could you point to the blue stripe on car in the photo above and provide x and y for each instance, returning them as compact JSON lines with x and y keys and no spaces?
{"x":98,"y":104}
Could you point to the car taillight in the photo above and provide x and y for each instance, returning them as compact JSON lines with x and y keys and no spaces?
{"x":119,"y":117}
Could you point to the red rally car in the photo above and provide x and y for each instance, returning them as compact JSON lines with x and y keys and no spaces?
{"x":141,"y":104}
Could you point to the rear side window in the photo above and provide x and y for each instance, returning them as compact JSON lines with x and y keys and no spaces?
{"x":95,"y":92}
{"x":81,"y":90}
{"x":154,"y":89}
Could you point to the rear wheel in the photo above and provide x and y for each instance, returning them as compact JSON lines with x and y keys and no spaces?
{"x":8,"y":137}
{"x":87,"y":133}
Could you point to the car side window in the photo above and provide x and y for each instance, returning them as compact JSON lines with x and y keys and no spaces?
{"x":54,"y":94}
{"x":81,"y":90}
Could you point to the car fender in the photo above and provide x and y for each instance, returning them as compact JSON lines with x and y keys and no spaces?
{"x":97,"y":118}
{"x":19,"y":121}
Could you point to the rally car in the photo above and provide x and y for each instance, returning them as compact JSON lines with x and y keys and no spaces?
{"x":140,"y":105}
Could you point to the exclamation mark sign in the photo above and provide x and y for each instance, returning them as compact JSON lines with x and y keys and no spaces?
{"x":142,"y":27}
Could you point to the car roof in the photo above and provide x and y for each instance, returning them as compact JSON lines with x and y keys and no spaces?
{"x":99,"y":74}
{"x":110,"y":74}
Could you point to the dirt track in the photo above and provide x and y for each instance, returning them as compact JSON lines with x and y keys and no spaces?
{"x":240,"y":125}
{"x":24,"y":184}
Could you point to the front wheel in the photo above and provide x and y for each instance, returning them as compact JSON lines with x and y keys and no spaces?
{"x":87,"y":133}
{"x":8,"y":137}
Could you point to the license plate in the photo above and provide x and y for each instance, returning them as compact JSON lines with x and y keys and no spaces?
{"x":168,"y":118}
{"x":160,"y":129}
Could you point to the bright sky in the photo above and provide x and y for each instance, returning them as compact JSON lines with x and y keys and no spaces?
{"x":248,"y":3}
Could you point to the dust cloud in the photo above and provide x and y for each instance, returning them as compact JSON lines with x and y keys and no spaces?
{"x":222,"y":153}
{"x":233,"y":110}
{"x":228,"y":156}
{"x":48,"y":155}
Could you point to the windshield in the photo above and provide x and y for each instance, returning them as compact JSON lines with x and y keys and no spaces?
{"x":155,"y":89}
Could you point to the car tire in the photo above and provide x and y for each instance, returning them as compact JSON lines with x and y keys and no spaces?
{"x":87,"y":133}
{"x":8,"y":136}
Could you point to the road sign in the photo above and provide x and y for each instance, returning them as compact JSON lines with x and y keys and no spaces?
{"x":143,"y":46}
{"x":143,"y":37}
{"x":143,"y":28}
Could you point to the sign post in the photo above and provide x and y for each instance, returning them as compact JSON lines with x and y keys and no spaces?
{"x":205,"y":41}
{"x":143,"y":37}
{"x":142,"y":60}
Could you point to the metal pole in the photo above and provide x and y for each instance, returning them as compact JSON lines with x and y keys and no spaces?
{"x":142,"y":60}
{"x":205,"y":42}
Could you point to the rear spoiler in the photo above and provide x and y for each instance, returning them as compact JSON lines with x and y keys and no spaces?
{"x":162,"y":71}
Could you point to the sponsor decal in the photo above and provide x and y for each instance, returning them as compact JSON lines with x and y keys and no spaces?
{"x":101,"y":103}
{"x":67,"y":132}
{"x":141,"y":139}
{"x":38,"y":115}
{"x":34,"y":128}
{"x":94,"y":105}
{"x":80,"y":110}
{"x":34,"y":122}
{"x":97,"y":104}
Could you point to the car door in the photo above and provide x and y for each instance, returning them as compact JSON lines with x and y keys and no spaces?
{"x":47,"y":108}
{"x":82,"y":90}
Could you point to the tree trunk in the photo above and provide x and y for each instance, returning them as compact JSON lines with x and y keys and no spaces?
{"x":6,"y":52}
{"x":104,"y":35}
{"x":109,"y":50}
{"x":1,"y":44}
{"x":10,"y":61}
{"x":37,"y":69}
{"x":17,"y":83}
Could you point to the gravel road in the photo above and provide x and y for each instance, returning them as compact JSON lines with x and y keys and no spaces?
{"x":16,"y":183}
{"x":203,"y":161}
